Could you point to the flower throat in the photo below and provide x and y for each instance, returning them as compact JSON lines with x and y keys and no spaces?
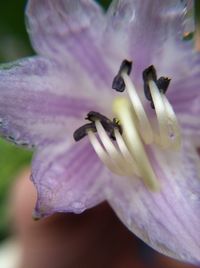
{"x":120,"y":143}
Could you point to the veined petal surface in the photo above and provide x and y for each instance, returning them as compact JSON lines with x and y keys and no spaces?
{"x":41,"y":102}
{"x":143,"y":28}
{"x":169,"y":220}
{"x":68,"y":178}
{"x":151,"y":32}
{"x":44,"y":99}
{"x":68,"y":30}
{"x":184,"y":95}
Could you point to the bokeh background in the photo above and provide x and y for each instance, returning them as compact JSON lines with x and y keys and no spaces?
{"x":14,"y":44}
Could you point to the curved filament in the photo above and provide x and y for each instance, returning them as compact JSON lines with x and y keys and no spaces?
{"x":127,"y":155}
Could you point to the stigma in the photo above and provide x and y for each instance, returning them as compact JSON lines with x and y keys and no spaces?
{"x":121,"y":143}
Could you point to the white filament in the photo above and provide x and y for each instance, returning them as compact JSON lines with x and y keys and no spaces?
{"x":169,"y":136}
{"x":144,"y":124}
{"x":118,"y":160}
{"x":100,"y":151}
{"x":127,"y":156}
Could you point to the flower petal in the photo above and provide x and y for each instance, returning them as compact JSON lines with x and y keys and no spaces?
{"x":169,"y":221}
{"x":145,"y":27}
{"x":68,"y":30}
{"x":68,"y":177}
{"x":182,"y":65}
{"x":184,"y":96}
{"x":38,"y":102}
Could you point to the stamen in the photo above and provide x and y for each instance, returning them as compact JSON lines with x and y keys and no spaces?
{"x":82,"y":131}
{"x":92,"y":116}
{"x":119,"y":143}
{"x":166,"y":117}
{"x":110,"y":148}
{"x":172,"y":125}
{"x":112,"y":151}
{"x":109,"y":155}
{"x":106,"y":122}
{"x":126,"y":154}
{"x":149,"y":73}
{"x":118,"y":82}
{"x":162,"y":83}
{"x":144,"y":124}
{"x":102,"y":154}
{"x":122,"y":109}
{"x":161,"y":115}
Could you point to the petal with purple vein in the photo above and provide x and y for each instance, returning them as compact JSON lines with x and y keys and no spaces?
{"x":169,"y":221}
{"x":69,"y":30}
{"x":184,"y":96}
{"x":68,"y":178}
{"x":145,"y":27}
{"x":40,"y":102}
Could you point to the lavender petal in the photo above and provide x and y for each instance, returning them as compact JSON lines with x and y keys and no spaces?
{"x":145,"y":29}
{"x":69,"y":178}
{"x":69,"y":31}
{"x":184,"y":96}
{"x":40,"y":102}
{"x":169,"y":221}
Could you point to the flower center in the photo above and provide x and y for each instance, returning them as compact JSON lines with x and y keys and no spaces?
{"x":120,"y":144}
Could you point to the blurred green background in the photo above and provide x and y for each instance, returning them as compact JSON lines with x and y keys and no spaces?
{"x":14,"y":44}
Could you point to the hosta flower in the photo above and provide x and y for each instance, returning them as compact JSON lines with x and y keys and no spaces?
{"x":135,"y":80}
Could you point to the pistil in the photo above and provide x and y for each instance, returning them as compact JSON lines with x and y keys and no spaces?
{"x":122,"y":109}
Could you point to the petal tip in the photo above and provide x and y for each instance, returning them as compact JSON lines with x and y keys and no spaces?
{"x":36,"y":215}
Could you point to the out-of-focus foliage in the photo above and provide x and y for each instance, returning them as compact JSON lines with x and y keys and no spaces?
{"x":12,"y":159}
{"x":197,"y":12}
{"x":104,"y":3}
{"x":14,"y":44}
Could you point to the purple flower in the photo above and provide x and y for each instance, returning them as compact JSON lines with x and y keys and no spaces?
{"x":151,"y":170}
